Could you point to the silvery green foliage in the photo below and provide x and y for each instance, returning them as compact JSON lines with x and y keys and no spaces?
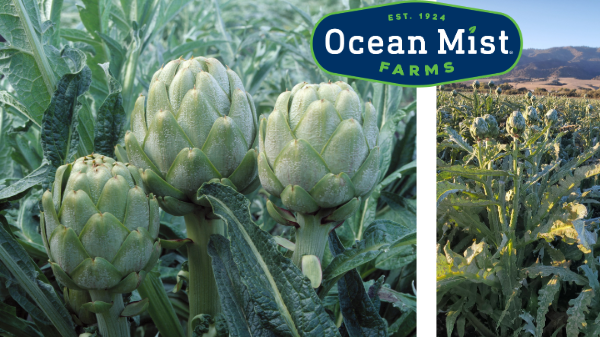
{"x":515,"y":124}
{"x":531,"y":115}
{"x":318,"y":148}
{"x":99,"y":226}
{"x":479,"y":129}
{"x":198,"y":124}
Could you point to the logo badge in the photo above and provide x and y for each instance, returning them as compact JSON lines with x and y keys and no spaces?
{"x":417,"y":43}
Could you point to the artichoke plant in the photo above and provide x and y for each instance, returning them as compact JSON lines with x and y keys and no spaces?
{"x":531,"y":115}
{"x":197,"y":125}
{"x":479,"y":129}
{"x":515,"y":124}
{"x":100,"y":232}
{"x":319,"y":154}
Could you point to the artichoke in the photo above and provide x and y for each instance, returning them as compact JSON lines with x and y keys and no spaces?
{"x":491,"y":84}
{"x":319,"y":154}
{"x":551,"y":116}
{"x":492,"y":125}
{"x":479,"y":129}
{"x":531,"y":115}
{"x":197,"y":125}
{"x":498,"y":90}
{"x":100,"y":232}
{"x":475,"y":84}
{"x":454,"y":93}
{"x":515,"y":124}
{"x":589,"y":108}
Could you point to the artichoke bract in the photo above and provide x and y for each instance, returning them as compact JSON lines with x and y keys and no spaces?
{"x":197,"y":125}
{"x":319,"y":154}
{"x":100,"y":230}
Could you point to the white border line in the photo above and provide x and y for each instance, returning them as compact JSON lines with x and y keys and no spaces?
{"x":426,"y":212}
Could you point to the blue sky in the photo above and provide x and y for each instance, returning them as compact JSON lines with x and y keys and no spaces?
{"x":548,"y":23}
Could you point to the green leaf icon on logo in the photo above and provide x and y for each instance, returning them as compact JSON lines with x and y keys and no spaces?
{"x":472,"y":29}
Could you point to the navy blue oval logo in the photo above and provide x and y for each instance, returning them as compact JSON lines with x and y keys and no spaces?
{"x":417,"y":43}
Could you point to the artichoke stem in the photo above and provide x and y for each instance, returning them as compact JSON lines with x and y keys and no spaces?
{"x":202,"y":288}
{"x":110,"y":323}
{"x":311,"y":237}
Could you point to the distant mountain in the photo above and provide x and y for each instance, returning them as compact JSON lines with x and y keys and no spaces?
{"x":578,"y":62}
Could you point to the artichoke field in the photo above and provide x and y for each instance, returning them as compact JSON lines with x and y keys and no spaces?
{"x":517,"y":215}
{"x":238,"y":202}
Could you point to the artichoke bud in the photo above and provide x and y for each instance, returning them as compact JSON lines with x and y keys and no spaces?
{"x":491,"y":84}
{"x":540,"y":107}
{"x":589,"y":108}
{"x":104,"y":234}
{"x":479,"y":129}
{"x":198,"y":124}
{"x":531,"y":115}
{"x":498,"y":90}
{"x":454,"y":93}
{"x":551,"y":116}
{"x":515,"y":124}
{"x":475,"y":84}
{"x":528,"y":94}
{"x":319,"y":147}
{"x":492,"y":125}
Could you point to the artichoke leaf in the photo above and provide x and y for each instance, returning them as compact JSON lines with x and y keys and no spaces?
{"x":135,"y":308}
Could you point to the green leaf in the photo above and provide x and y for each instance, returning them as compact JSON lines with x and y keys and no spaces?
{"x":33,"y":79}
{"x":7,"y":99}
{"x":160,"y":308}
{"x":444,"y":189}
{"x":21,"y":267}
{"x":18,"y":189}
{"x":565,"y":274}
{"x":361,"y":317}
{"x":110,"y":120}
{"x":185,"y":48}
{"x":473,"y":172}
{"x":135,"y":308}
{"x":60,"y":136}
{"x":305,"y":16}
{"x":6,"y":170}
{"x":404,"y":302}
{"x":14,"y":325}
{"x":458,"y":139}
{"x":404,"y":325}
{"x":77,"y":35}
{"x":225,"y":48}
{"x":236,"y":303}
{"x":545,"y":299}
{"x":360,"y":253}
{"x":576,"y":313}
{"x":273,"y":282}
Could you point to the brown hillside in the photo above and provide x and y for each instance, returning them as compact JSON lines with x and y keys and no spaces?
{"x":576,"y":62}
